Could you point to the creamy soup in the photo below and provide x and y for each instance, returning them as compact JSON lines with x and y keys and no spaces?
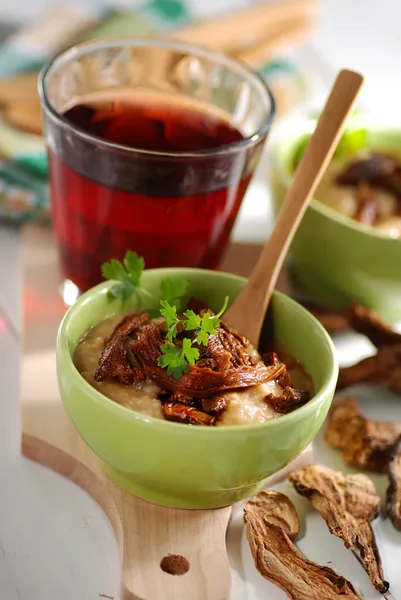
{"x":366,"y":188}
{"x":141,"y":396}
{"x":242,"y":406}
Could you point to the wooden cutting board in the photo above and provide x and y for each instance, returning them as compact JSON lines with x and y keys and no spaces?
{"x":147,"y":534}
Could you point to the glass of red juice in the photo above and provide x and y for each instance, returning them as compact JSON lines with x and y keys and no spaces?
{"x":151,"y":145}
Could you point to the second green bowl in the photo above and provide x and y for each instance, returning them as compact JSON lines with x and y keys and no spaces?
{"x":336,"y":259}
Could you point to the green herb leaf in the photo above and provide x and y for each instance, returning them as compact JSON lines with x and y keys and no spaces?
{"x":134,"y":265}
{"x":193,"y":321}
{"x":210,"y":323}
{"x":350,"y":143}
{"x":113,"y":270}
{"x":202,"y":338}
{"x":170,"y":314}
{"x":128,"y":274}
{"x":207,"y":324}
{"x":172,"y":359}
{"x":191,"y":354}
{"x":174,"y":289}
{"x":177,"y":360}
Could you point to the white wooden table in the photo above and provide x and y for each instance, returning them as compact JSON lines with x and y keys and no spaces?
{"x":55,"y":543}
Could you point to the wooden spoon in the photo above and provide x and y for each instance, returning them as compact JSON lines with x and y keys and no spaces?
{"x":256,"y":294}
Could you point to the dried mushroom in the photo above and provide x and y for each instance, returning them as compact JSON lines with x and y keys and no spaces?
{"x":271,"y":524}
{"x":215,"y":405}
{"x":115,"y":361}
{"x":393,"y":497}
{"x":375,"y":169}
{"x":366,"y":444}
{"x":289,"y":400}
{"x":384,"y":368}
{"x":364,"y":320}
{"x":369,"y":323}
{"x":371,"y":176}
{"x":347,"y":503}
{"x":183,"y":413}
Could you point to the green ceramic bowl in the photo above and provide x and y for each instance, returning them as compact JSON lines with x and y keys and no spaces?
{"x":180,"y":465}
{"x":334,"y":258}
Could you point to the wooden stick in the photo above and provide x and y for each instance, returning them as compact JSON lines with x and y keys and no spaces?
{"x":21,"y":87}
{"x":25,"y":115}
{"x":286,"y":37}
{"x":256,"y":294}
{"x":240,"y":28}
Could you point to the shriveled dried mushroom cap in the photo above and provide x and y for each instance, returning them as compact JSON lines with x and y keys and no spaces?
{"x":393,"y":498}
{"x":347,"y":503}
{"x":271,"y":522}
{"x":355,"y":494}
{"x":366,"y":444}
{"x":344,"y":416}
{"x":379,"y":331}
{"x":275,"y":508}
{"x":384,"y":368}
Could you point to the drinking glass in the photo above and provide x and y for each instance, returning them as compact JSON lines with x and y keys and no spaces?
{"x":173,"y":203}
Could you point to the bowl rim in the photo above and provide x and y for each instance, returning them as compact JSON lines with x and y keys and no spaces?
{"x":63,"y":354}
{"x":285,"y":141}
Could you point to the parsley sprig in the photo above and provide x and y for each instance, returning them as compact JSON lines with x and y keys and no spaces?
{"x":128,"y":274}
{"x":176,"y":358}
{"x":172,"y":321}
{"x":206,"y":325}
{"x":174,"y":289}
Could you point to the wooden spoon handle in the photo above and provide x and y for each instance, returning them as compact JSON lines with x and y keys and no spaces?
{"x":172,"y":554}
{"x":255,"y":297}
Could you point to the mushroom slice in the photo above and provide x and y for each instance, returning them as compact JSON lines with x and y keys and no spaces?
{"x":183,"y":413}
{"x":272,"y":524}
{"x":377,"y":329}
{"x":366,"y":444}
{"x":347,"y":503}
{"x":290,"y":400}
{"x":393,"y":497}
{"x":384,"y":368}
{"x":373,"y":169}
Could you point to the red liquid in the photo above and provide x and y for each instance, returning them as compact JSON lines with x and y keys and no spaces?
{"x":172,"y":211}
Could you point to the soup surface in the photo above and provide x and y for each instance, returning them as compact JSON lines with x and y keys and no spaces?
{"x":117,"y":372}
